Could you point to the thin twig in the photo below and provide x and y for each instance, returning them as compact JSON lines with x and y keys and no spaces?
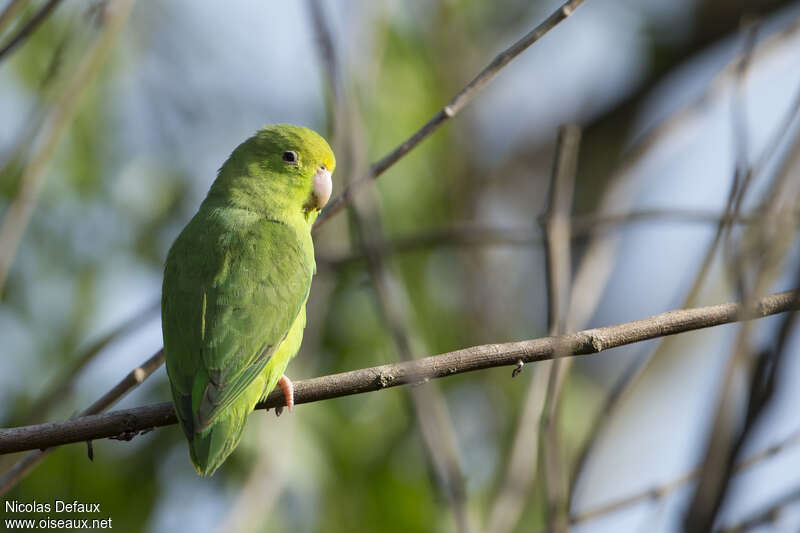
{"x":591,"y":278}
{"x":28,"y":29}
{"x":63,"y":111}
{"x":523,"y":457}
{"x":556,"y":227}
{"x":765,"y":516}
{"x":711,"y":93}
{"x":782,"y":130}
{"x":710,"y":495}
{"x":11,"y":9}
{"x":559,"y":274}
{"x":665,"y":489}
{"x":450,"y":110}
{"x":729,"y":429}
{"x":435,"y":424}
{"x":743,"y":175}
{"x":326,"y":52}
{"x":582,"y":226}
{"x":15,"y":154}
{"x":412,"y":372}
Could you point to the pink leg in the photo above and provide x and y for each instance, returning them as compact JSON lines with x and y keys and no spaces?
{"x":287,"y":387}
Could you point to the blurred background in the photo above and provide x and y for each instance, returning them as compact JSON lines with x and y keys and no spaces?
{"x":113,"y":125}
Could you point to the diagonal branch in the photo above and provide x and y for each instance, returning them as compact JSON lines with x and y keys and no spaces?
{"x":126,"y":423}
{"x":65,"y":108}
{"x":28,"y":29}
{"x":9,"y":12}
{"x":435,"y":424}
{"x":766,"y":516}
{"x":782,"y":133}
{"x":134,"y":378}
{"x":732,"y":425}
{"x":450,"y":110}
{"x":669,"y":487}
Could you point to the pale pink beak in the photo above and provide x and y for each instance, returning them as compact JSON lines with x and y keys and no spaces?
{"x":323,"y":185}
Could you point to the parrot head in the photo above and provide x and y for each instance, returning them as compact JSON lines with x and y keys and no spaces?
{"x":282,"y":168}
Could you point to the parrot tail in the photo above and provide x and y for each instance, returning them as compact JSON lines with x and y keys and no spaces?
{"x":210,"y":448}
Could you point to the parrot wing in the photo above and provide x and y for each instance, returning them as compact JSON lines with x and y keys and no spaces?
{"x":230,"y":310}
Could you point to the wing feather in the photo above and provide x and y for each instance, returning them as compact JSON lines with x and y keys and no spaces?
{"x":233,"y":286}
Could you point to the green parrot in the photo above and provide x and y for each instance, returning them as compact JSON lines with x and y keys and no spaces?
{"x":236,"y":282}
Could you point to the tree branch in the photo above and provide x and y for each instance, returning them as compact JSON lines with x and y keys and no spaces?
{"x":581,"y":226}
{"x":559,"y":279}
{"x":134,"y":378}
{"x":524,"y":453}
{"x":450,"y":110}
{"x":28,"y":29}
{"x":669,"y":487}
{"x":765,"y":516}
{"x":44,"y":147}
{"x":732,"y":424}
{"x":126,"y":423}
{"x":9,"y":12}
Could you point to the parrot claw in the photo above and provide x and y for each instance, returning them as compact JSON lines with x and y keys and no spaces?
{"x":287,"y":387}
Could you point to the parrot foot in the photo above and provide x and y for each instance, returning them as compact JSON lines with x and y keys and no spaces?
{"x":287,"y":387}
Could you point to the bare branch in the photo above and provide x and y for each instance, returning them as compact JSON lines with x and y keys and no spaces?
{"x":470,"y":234}
{"x":8,"y":13}
{"x":671,"y":486}
{"x":430,"y":409}
{"x":523,"y":457}
{"x":559,"y":274}
{"x":731,"y":427}
{"x":777,"y":138}
{"x":450,"y":110}
{"x":764,"y":516}
{"x":435,"y":424}
{"x":66,"y":106}
{"x":29,"y":27}
{"x":129,"y":421}
{"x":134,"y":378}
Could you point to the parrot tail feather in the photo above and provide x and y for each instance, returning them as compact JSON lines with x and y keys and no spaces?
{"x":209,"y":449}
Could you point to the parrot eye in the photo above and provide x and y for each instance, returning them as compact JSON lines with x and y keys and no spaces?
{"x":290,"y":157}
